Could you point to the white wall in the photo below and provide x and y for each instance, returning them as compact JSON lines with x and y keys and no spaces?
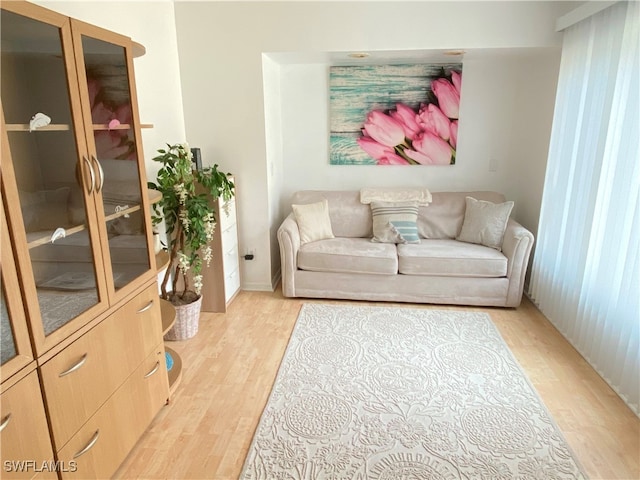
{"x":486,"y":112}
{"x":152,"y":24}
{"x":221,"y":47}
{"x":273,"y":104}
{"x":536,"y":80}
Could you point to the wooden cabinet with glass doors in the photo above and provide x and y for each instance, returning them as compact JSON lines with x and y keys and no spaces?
{"x":75,"y":171}
{"x":73,"y":181}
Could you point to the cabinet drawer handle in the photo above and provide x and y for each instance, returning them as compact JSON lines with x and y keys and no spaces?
{"x":5,"y":422}
{"x":91,"y":174}
{"x":146,"y":307}
{"x":74,"y":367}
{"x":89,"y":445}
{"x":155,"y":369}
{"x":100,"y":171}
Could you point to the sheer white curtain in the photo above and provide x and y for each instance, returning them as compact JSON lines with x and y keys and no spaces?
{"x":586,"y":268}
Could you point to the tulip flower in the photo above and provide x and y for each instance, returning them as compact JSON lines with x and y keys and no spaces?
{"x":456,"y":79}
{"x":432,"y":119}
{"x":123,"y":113}
{"x":448,"y":97}
{"x":94,"y":88}
{"x":430,"y":149}
{"x":454,"y":134}
{"x":392,"y":159}
{"x":408,"y":119}
{"x":384,"y":129}
{"x":110,"y":144}
{"x":383,"y":154}
{"x":100,"y":113}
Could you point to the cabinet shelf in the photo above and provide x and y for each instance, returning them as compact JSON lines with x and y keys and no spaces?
{"x":175,"y":374}
{"x":46,"y":236}
{"x":24,"y":127}
{"x":60,"y":127}
{"x":162,"y":260}
{"x":122,"y":126}
{"x":154,"y":196}
{"x":168,"y":314}
{"x":122,"y":213}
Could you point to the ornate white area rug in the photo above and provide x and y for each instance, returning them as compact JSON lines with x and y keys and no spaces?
{"x":393,"y":393}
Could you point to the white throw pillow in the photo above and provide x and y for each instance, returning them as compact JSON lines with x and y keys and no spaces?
{"x":313,"y":221}
{"x":485,"y":222}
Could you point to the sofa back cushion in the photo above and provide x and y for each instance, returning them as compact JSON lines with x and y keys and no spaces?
{"x":443,"y":217}
{"x":349,"y":218}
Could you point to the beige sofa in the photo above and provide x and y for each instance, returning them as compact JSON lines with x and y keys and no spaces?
{"x":438,"y":269}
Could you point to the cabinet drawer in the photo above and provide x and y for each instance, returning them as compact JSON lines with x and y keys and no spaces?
{"x":79,"y":379}
{"x":25,"y":436}
{"x":229,"y":236}
{"x":231,"y":284}
{"x":230,"y":259}
{"x":144,"y":321}
{"x":104,"y":441}
{"x":227,"y":215}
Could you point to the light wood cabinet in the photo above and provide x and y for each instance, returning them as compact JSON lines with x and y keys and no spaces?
{"x":80,"y":314}
{"x":221,"y":279}
{"x":104,"y":441}
{"x":78,"y":380}
{"x":24,"y":437}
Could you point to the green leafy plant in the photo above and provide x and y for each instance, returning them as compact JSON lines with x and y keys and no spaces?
{"x":190,"y":219}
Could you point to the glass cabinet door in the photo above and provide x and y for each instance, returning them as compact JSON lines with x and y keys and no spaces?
{"x":8,"y":344}
{"x":51,"y":180}
{"x":15,"y":348}
{"x":113,"y":138}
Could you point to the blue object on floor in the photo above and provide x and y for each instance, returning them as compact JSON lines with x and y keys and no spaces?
{"x":169,"y":360}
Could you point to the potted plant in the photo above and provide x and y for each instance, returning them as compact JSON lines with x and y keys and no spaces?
{"x":186,"y":207}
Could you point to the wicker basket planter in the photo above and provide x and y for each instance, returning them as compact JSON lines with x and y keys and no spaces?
{"x":187,"y":321}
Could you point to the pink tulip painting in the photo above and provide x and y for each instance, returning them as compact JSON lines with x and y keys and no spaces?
{"x":394,"y":114}
{"x":428,"y":136}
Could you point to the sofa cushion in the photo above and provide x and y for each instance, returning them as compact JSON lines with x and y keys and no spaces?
{"x":395,"y":222}
{"x":450,"y":258}
{"x":313,"y":221}
{"x":485,"y":222}
{"x":443,"y":217}
{"x":348,"y":255}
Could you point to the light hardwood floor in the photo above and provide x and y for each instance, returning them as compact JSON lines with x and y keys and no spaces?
{"x":230,"y":366}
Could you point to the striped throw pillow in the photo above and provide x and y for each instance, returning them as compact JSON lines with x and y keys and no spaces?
{"x":395,"y":222}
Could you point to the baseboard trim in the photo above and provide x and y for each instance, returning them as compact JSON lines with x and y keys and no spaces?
{"x":257,"y":287}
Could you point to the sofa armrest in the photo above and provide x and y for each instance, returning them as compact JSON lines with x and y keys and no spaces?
{"x":289,"y":240}
{"x":516,"y":246}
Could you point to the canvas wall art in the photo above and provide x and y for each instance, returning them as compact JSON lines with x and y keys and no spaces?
{"x":394,"y":114}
